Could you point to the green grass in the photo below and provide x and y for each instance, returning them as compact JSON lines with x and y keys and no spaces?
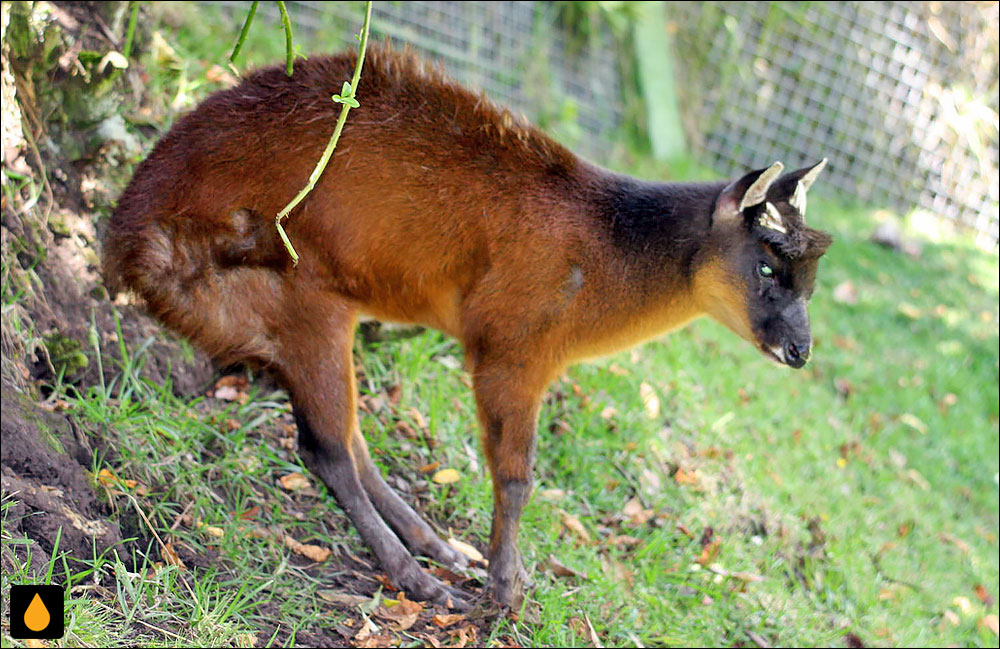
{"x":868,"y":513}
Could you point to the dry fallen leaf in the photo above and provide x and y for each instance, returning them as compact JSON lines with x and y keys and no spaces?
{"x":618,"y":571}
{"x":446,"y":575}
{"x":594,"y":640}
{"x":467,"y":550}
{"x":401,"y":615}
{"x":429,"y":640}
{"x":913,"y":422}
{"x":313,"y":552}
{"x":742,"y":576}
{"x":634,"y":512}
{"x":689,"y":478}
{"x":708,"y":553}
{"x":618,"y":370}
{"x":552,"y":494}
{"x":984,"y":595}
{"x":227,"y":393}
{"x":406,"y":430}
{"x":294,"y":482}
{"x":447,"y":619}
{"x":418,"y":418}
{"x":918,"y":479}
{"x":59,"y":405}
{"x":387,"y":584}
{"x":429,"y":468}
{"x":954,"y":540}
{"x":649,"y":400}
{"x":573,"y":524}
{"x":579,"y":627}
{"x":623,"y":541}
{"x":446,"y":476}
{"x":343,"y":599}
{"x":557,"y":568}
{"x":369,"y":637}
{"x":248,"y":514}
{"x":170,"y":556}
{"x":108,"y":479}
{"x":366,"y":630}
{"x":464,"y":635}
{"x":211,"y":530}
{"x":584,"y":630}
{"x":234,"y":381}
{"x":231,"y":388}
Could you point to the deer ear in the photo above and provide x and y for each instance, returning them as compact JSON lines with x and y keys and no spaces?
{"x":746,"y":192}
{"x":803,"y":179}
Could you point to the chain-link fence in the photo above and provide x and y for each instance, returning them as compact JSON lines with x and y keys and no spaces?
{"x":511,"y":50}
{"x":901,"y":96}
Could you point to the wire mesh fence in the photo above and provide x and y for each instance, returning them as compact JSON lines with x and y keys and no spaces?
{"x":901,"y":96}
{"x":510,"y":50}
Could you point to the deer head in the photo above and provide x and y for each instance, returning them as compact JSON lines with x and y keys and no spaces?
{"x":759,"y":264}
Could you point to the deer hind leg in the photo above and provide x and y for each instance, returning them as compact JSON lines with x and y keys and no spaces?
{"x":315,"y":363}
{"x":419,"y":537}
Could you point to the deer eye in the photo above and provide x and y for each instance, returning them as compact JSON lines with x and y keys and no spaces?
{"x":765,"y":270}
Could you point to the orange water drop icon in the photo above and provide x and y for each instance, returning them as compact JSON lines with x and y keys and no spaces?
{"x":37,"y":617}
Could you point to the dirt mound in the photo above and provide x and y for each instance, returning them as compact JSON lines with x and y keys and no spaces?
{"x":45,"y":458}
{"x":60,"y":329}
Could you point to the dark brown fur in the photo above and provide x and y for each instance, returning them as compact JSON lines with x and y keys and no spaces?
{"x":437,"y":208}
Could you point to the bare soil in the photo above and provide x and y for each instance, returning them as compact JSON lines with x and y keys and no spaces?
{"x":45,"y":462}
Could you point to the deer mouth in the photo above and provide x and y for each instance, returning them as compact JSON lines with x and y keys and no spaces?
{"x":774,"y":353}
{"x":779,"y":355}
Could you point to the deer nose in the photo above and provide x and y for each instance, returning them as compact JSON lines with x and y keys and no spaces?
{"x":797,"y":354}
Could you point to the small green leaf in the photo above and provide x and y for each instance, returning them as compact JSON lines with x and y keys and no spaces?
{"x":337,"y":98}
{"x":352,"y":102}
{"x":346,"y":90}
{"x":88,"y":56}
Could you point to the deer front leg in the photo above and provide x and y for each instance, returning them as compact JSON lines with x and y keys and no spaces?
{"x":419,"y":537}
{"x":508,"y":397}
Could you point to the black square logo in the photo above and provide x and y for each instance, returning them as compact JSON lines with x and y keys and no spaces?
{"x":36,"y":612}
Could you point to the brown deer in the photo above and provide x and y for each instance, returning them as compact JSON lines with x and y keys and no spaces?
{"x":439,"y":208}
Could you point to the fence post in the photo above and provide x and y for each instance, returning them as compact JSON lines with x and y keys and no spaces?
{"x":656,"y":78}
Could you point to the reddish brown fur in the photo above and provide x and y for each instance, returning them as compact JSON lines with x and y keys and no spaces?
{"x":437,"y":208}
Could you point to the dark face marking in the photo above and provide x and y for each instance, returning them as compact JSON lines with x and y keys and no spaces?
{"x":774,"y":255}
{"x":780,"y":267}
{"x":777,"y":292}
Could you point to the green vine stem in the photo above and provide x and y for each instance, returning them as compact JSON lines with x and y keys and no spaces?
{"x":244,"y":31}
{"x":346,"y":101}
{"x":287,"y":25}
